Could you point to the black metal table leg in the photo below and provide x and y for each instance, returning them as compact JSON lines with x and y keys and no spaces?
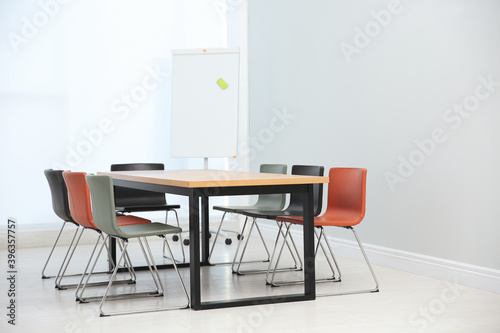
{"x":194,"y":255}
{"x":112,"y":250}
{"x":205,"y":230}
{"x":309,"y":262}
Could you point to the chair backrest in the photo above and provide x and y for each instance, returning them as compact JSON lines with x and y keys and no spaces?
{"x":103,"y":204}
{"x":273,"y":201}
{"x":59,"y":194}
{"x":133,"y":197}
{"x":79,"y":198}
{"x":296,"y":202}
{"x":347,"y":191}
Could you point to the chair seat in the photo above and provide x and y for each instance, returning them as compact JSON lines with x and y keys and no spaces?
{"x":238,"y":209}
{"x":149,"y":229}
{"x":144,"y":208}
{"x":340,"y":218}
{"x":271,"y":214}
{"x":124,"y":220}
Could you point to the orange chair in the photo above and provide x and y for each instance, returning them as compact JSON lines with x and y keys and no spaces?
{"x":80,"y":208}
{"x":345,"y":209}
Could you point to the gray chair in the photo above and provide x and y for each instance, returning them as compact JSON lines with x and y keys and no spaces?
{"x":264,"y":202}
{"x":104,"y":214}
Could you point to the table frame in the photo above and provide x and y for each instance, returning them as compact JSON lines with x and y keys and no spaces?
{"x":199,"y":212}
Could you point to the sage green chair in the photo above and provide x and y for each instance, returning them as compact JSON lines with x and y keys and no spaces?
{"x":104,"y":214}
{"x":274,"y":202}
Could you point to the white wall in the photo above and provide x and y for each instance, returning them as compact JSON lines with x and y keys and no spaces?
{"x":67,"y":68}
{"x":356,"y":100}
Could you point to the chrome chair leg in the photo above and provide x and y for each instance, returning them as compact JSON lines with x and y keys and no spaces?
{"x":52,"y":251}
{"x":372,"y":290}
{"x":216,"y":236}
{"x":83,"y":285}
{"x":321,"y":237}
{"x":221,"y":231}
{"x":262,"y":239}
{"x":128,"y":262}
{"x":244,"y":248}
{"x":239,"y":244}
{"x":178,"y":274}
{"x":84,"y":274}
{"x":296,"y":251}
{"x":257,"y":271}
{"x":287,"y":226}
{"x":67,"y":260}
{"x":156,"y":278}
{"x":154,"y":273}
{"x":180,"y":238}
{"x":319,"y":244}
{"x":330,"y":253}
{"x":111,"y":281}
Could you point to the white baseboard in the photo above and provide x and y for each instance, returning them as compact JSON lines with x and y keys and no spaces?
{"x":462,"y":273}
{"x":44,"y":235}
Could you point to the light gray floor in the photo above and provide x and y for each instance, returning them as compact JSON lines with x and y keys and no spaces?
{"x":405,"y":303}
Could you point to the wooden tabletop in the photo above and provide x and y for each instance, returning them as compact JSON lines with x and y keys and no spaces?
{"x":212,"y":178}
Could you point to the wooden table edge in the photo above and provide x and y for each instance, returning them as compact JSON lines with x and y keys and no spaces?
{"x":287,"y":180}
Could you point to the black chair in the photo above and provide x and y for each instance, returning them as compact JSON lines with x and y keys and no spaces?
{"x":130,"y":200}
{"x":264,"y":202}
{"x":60,"y":205}
{"x":295,"y":207}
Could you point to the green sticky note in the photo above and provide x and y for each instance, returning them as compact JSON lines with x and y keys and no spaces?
{"x":222,"y":83}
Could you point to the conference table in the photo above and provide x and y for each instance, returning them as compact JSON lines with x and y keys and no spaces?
{"x":199,"y":186}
